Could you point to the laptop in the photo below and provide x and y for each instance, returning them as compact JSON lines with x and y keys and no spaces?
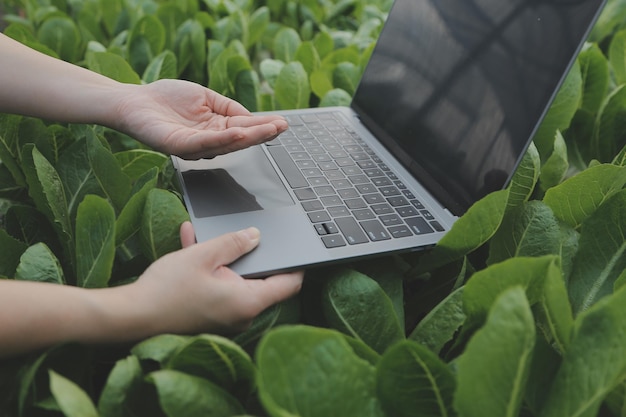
{"x":446,"y":107}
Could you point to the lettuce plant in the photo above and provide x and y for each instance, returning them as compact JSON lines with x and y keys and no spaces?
{"x":518,"y":311}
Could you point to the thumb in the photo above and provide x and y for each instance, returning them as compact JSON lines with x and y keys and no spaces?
{"x":229,"y":247}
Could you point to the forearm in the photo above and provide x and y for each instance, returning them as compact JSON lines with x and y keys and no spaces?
{"x":34,"y":84}
{"x":37,"y":315}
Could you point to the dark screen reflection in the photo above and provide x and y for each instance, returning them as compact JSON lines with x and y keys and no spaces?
{"x":459,"y":86}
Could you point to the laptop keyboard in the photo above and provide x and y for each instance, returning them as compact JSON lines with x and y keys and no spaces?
{"x":349,"y":194}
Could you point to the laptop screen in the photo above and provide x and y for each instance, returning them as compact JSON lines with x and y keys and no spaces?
{"x":456,"y":88}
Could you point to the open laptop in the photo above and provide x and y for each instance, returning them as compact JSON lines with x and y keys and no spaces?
{"x":445,"y":110}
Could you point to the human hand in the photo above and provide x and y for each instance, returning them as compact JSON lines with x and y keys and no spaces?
{"x":185,"y":119}
{"x":192,"y":290}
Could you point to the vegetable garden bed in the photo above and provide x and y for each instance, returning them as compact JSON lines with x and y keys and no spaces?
{"x":520,"y":310}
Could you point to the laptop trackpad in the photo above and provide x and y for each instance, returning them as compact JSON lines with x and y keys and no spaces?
{"x":239,"y":182}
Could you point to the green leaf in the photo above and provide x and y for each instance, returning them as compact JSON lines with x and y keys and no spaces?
{"x":112,"y":66}
{"x":324,"y":43}
{"x":247,"y":89}
{"x":122,"y":382}
{"x":292,"y":88}
{"x":136,"y":162}
{"x":336,"y":97}
{"x":440,"y":325}
{"x":525,"y":178}
{"x":527,"y":230}
{"x":601,"y":256}
{"x":9,"y":144}
{"x":270,"y":69}
{"x":72,"y":400}
{"x":554,"y":169}
{"x":190,"y":47}
{"x":159,"y":348}
{"x":412,"y":381}
{"x":578,"y":197}
{"x":38,"y":263}
{"x":46,"y":189}
{"x":356,"y":305}
{"x":346,"y":76}
{"x":60,"y":34}
{"x":163,"y":213}
{"x":595,"y":75}
{"x":469,"y":232}
{"x":493,"y":370}
{"x":146,"y":40}
{"x":190,"y":396}
{"x":543,"y":281}
{"x":129,"y":221}
{"x":293,"y":359}
{"x":286,"y":43}
{"x":217,"y":359}
{"x":112,"y":180}
{"x":162,"y":66}
{"x":594,"y":362}
{"x":322,"y":83}
{"x":617,"y":56}
{"x":561,"y":112}
{"x":259,"y":20}
{"x":609,"y":137}
{"x":286,"y":312}
{"x":95,"y":242}
{"x":307,"y":55}
{"x":11,"y":250}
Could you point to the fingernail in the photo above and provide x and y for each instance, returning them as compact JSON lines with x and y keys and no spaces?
{"x":252,"y":233}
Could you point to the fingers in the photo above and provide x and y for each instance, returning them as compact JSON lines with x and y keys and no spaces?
{"x":227,"y":248}
{"x":277,"y":288}
{"x":207,"y":143}
{"x":187,"y":235}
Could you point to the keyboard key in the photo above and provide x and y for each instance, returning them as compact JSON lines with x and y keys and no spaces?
{"x":338,"y":211}
{"x":406,"y":211}
{"x":426,"y":214}
{"x":389,"y":191}
{"x":391,"y":220}
{"x":381,"y":209}
{"x":288,"y":167}
{"x":397,"y":201}
{"x":400,"y":231}
{"x":322,"y":157}
{"x":363,"y":214}
{"x":437,"y":226}
{"x":375,"y":231}
{"x":312,"y":172}
{"x":381,"y":181}
{"x":305,"y":194}
{"x":348,"y":193}
{"x":324,"y":190}
{"x":417,"y":204}
{"x":373,"y":172}
{"x":320,"y":229}
{"x":351,"y":170}
{"x":374,"y":198}
{"x":318,"y":216}
{"x":341,"y":184}
{"x":359,"y":179}
{"x":418,"y":225}
{"x":332,"y":200}
{"x":344,"y":162}
{"x":366,"y":164}
{"x":331,"y":228}
{"x":315,"y":181}
{"x":355,"y":203}
{"x":333,"y":241}
{"x":351,"y":230}
{"x":334,"y":174}
{"x":312,"y":205}
{"x":366,"y":188}
{"x":408,"y":194}
{"x":328,"y":166}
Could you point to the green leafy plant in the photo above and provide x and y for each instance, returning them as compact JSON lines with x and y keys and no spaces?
{"x":518,"y":311}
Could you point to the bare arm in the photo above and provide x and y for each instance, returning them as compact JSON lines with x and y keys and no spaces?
{"x":173,"y":116}
{"x":188,"y":291}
